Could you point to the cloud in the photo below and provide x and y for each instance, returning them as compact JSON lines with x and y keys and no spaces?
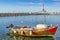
{"x":25,"y":3}
{"x":28,"y":3}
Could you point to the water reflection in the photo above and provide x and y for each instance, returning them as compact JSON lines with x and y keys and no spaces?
{"x":35,"y":38}
{"x":31,"y":38}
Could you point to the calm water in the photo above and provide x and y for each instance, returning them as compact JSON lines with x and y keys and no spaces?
{"x":32,"y":20}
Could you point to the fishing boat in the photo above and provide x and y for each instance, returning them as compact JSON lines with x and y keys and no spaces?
{"x":39,"y":30}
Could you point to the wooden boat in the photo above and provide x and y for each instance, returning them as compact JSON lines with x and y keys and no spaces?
{"x":39,"y":30}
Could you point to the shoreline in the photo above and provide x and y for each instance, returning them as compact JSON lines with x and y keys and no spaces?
{"x":24,"y":14}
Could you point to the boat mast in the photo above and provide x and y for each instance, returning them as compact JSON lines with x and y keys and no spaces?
{"x":43,"y":8}
{"x":44,"y":11}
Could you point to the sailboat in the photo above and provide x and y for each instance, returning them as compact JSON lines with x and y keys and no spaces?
{"x":39,"y":30}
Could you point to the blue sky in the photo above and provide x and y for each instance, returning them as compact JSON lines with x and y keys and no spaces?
{"x":28,"y":5}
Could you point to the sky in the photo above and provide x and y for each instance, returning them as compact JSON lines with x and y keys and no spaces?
{"x":29,"y":5}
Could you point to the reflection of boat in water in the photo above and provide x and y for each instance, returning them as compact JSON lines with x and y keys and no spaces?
{"x":35,"y":38}
{"x":32,"y":38}
{"x":39,"y":30}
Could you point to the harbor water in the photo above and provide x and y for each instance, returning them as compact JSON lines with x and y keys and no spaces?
{"x":30,"y":21}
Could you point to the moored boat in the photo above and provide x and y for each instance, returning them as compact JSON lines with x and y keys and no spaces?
{"x":39,"y":30}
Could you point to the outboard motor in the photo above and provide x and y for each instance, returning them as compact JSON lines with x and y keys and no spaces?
{"x":10,"y":26}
